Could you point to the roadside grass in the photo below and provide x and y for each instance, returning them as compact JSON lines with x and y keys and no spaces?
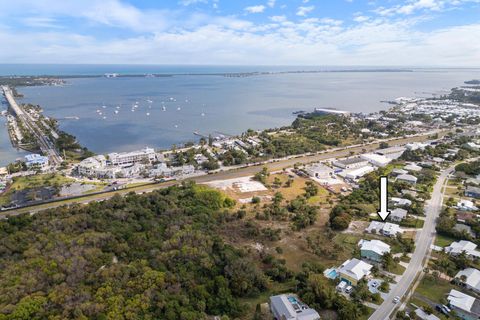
{"x":443,"y":241}
{"x":434,"y":289}
{"x":396,"y":269}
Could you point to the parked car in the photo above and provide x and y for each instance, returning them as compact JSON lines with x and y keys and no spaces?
{"x":348,"y":290}
{"x":396,"y":299}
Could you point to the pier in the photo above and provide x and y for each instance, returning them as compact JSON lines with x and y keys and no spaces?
{"x":46,"y":145}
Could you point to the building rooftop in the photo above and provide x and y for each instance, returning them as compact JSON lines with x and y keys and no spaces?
{"x":349,"y":161}
{"x":291,"y":308}
{"x":463,"y":301}
{"x":472,"y":276}
{"x":376,"y":246}
{"x":355,"y":268}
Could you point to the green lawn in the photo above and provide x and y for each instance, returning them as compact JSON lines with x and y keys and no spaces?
{"x":434,"y":289}
{"x":443,"y":241}
{"x":397,"y":269}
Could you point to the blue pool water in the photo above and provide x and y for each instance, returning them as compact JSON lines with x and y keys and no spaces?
{"x":332,"y":274}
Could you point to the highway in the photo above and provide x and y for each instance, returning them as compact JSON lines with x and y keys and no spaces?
{"x":272,"y":165}
{"x":46,"y":145}
{"x":423,"y":243}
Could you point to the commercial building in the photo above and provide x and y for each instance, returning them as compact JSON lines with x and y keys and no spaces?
{"x":354,"y":270}
{"x":469,"y":278}
{"x":350,"y":163}
{"x":357,"y":173}
{"x":90,"y":167}
{"x":376,"y":159}
{"x":319,"y":171}
{"x":373,"y":249}
{"x":36,"y":161}
{"x":466,"y":307}
{"x":392,"y":152}
{"x":289,"y":307}
{"x":129,"y":158}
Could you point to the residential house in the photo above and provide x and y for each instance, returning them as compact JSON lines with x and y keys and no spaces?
{"x":463,"y":228}
{"x":289,"y":307}
{"x":466,"y":307}
{"x":354,"y":270}
{"x":468,"y":247}
{"x":473,"y":192}
{"x":373,"y":249}
{"x":408,"y":178}
{"x":466,"y":205}
{"x":412,"y":167}
{"x":397,"y":172}
{"x":464,"y":216}
{"x":397,"y":215}
{"x":384,"y":228}
{"x":425,"y":316}
{"x":469,"y":278}
{"x":400,"y":202}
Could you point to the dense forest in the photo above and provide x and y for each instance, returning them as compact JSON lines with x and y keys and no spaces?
{"x":137,"y":257}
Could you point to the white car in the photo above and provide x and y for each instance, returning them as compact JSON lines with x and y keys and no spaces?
{"x":396,"y":299}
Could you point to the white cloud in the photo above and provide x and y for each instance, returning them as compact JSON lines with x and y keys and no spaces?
{"x":255,"y":9}
{"x":271,"y":3}
{"x":303,"y":11}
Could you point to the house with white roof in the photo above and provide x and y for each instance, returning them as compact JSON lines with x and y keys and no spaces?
{"x":384,"y":228}
{"x":400,"y":202}
{"x":397,"y":172}
{"x":466,"y":307}
{"x":457,"y":247}
{"x":470,"y":278}
{"x":289,"y":307}
{"x":466,"y":205}
{"x":408,"y":178}
{"x":425,"y":316}
{"x":357,"y":173}
{"x":412,"y":167}
{"x":354,"y":270}
{"x":397,"y":215}
{"x":373,"y":249}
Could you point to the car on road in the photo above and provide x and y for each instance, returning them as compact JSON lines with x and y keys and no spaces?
{"x":396,"y":299}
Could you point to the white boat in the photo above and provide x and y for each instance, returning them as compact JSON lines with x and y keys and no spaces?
{"x":179,"y":108}
{"x":148,"y":113}
{"x":116,"y":111}
{"x":104,"y":107}
{"x":164,"y":109}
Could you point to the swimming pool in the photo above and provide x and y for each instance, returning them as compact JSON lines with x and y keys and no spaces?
{"x":331,"y":274}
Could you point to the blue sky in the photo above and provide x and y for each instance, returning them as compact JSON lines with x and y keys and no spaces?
{"x":250,"y":32}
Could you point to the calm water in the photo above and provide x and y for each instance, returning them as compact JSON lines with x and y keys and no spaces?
{"x":213,"y":104}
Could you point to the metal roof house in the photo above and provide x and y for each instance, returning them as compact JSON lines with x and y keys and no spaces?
{"x":472,"y":279}
{"x":373,"y":249}
{"x":354,"y":270}
{"x":465,"y":306}
{"x":289,"y":307}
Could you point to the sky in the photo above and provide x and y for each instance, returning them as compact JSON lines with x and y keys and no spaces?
{"x":242,"y":32}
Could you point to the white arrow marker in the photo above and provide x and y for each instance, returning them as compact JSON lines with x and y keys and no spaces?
{"x":383,"y":212}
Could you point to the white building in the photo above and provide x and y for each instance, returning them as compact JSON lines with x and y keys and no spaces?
{"x":129,"y":158}
{"x":319,"y":171}
{"x":466,"y":307}
{"x":416,"y":146}
{"x":91,"y":166}
{"x":354,"y":270}
{"x":457,"y":247}
{"x":400,"y":202}
{"x":289,"y":307}
{"x":412,"y":167}
{"x":373,"y":249}
{"x":357,"y":173}
{"x":350,"y":163}
{"x":466,"y":205}
{"x":392,"y":152}
{"x":384,"y":228}
{"x":408,"y":178}
{"x":376,"y":159}
{"x":472,"y":279}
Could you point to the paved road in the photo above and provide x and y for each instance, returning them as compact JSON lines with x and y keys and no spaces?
{"x":230,"y":174}
{"x":423,"y":243}
{"x":44,"y":141}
